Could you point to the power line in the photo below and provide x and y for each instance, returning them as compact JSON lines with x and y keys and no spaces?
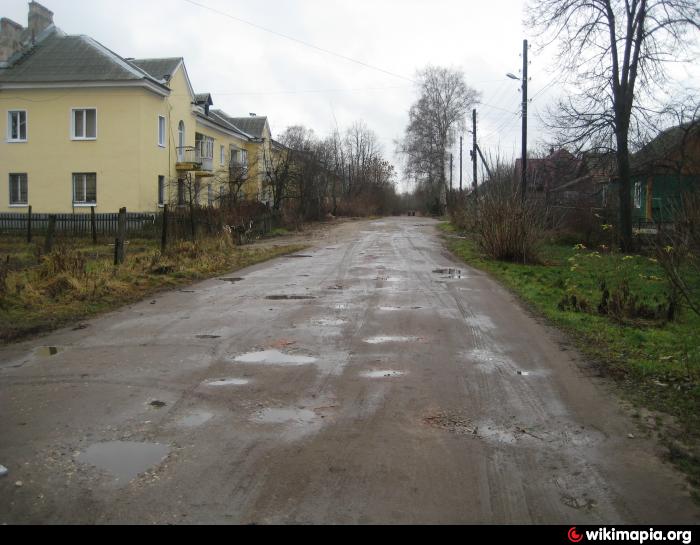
{"x":297,"y":40}
{"x":306,"y":91}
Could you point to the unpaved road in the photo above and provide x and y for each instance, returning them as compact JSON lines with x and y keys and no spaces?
{"x":369,"y":388}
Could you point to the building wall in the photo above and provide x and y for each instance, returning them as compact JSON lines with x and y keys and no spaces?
{"x":125,"y":156}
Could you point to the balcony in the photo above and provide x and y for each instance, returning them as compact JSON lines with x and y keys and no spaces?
{"x":192,"y":159}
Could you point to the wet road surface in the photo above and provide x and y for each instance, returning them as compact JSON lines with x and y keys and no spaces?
{"x":368,"y":379}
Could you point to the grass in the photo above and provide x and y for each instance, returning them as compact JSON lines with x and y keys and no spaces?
{"x":655,"y":361}
{"x":78,"y":280}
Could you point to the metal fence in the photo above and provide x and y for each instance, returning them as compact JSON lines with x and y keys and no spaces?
{"x":77,"y":224}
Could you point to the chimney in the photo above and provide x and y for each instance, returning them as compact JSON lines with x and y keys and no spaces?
{"x":10,"y":38}
{"x":40,"y":18}
{"x":252,"y":114}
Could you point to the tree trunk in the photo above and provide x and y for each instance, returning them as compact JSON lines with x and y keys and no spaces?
{"x":625,"y":187}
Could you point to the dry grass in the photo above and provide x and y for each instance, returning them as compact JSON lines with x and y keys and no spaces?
{"x":77,"y":280}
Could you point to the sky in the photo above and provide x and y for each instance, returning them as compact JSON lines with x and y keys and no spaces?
{"x":248,"y":69}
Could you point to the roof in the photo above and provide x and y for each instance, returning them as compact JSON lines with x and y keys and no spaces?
{"x":664,"y":150}
{"x":220,"y":118}
{"x":203,"y":98}
{"x":160,"y":69}
{"x":59,"y":58}
{"x":254,"y":126}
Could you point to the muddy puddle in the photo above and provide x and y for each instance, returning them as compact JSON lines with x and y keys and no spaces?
{"x":274,"y":357}
{"x":208,"y":336}
{"x":297,"y":256}
{"x":328,"y":322}
{"x":386,"y":373}
{"x":286,"y":415}
{"x":47,"y":351}
{"x":289,"y":297}
{"x":228,"y":382}
{"x":382,"y":339}
{"x":231,"y":280}
{"x":453,"y":274}
{"x":195,"y":419}
{"x":125,"y":460}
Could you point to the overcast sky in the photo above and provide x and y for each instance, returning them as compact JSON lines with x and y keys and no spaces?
{"x":250,"y":70}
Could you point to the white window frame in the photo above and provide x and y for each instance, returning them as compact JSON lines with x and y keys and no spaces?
{"x":83,"y":204}
{"x":9,"y":127}
{"x":222,"y":154}
{"x":638,"y":194}
{"x":72,"y":123}
{"x":162,"y":131}
{"x":161,"y":191}
{"x":19,"y":204}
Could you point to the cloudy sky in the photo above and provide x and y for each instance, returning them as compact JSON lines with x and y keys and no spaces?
{"x":248,"y":69}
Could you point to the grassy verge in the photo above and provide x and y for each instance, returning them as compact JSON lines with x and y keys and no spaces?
{"x":655,"y":361}
{"x":78,"y":280}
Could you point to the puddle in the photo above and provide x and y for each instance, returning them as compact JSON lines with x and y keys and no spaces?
{"x":232,"y":280}
{"x":124,"y":459}
{"x":208,"y":336}
{"x":328,"y":322}
{"x":228,"y":382}
{"x":341,"y":306}
{"x":381,"y":339}
{"x":289,"y":297}
{"x":158,"y":404}
{"x":297,"y":256}
{"x":454,"y":274}
{"x":196,"y":418}
{"x":387,"y":373}
{"x":274,"y":357}
{"x":389,"y":309}
{"x":283,"y":416}
{"x":524,"y":373}
{"x":47,"y":351}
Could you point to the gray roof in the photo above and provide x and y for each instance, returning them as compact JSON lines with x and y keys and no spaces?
{"x":160,"y":69}
{"x":253,"y":126}
{"x":219,"y":117}
{"x":59,"y":58}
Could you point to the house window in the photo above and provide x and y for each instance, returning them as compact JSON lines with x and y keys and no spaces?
{"x":17,"y":126}
{"x":181,"y":192}
{"x":222,"y":155}
{"x":637,"y":194}
{"x":181,"y":141}
{"x":161,"y":131}
{"x":234,"y":156}
{"x":161,"y":190}
{"x":18,"y":190}
{"x":85,"y":189}
{"x":84,"y":124}
{"x":244,"y":158}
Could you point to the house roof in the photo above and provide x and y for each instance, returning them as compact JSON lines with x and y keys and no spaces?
{"x":220,"y":118}
{"x":160,"y":69}
{"x":253,"y":125}
{"x":663,"y":150}
{"x":59,"y":58}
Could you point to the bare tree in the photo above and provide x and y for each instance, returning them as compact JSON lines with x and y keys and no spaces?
{"x":618,"y":52}
{"x":434,"y":119}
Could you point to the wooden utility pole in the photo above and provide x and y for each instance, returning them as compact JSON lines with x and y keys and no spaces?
{"x":523,"y":179}
{"x":48,"y":243}
{"x":93,"y":225}
{"x":460,"y":164}
{"x":474,"y":155}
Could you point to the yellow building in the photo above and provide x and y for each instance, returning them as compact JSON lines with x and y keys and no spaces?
{"x":86,"y":128}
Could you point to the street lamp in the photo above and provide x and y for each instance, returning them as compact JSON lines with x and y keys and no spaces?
{"x":523,"y":173}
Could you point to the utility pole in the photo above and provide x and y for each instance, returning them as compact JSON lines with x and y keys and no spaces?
{"x":523,"y":181}
{"x":460,"y":164}
{"x":474,"y":155}
{"x":451,"y":170}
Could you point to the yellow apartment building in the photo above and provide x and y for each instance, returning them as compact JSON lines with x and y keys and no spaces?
{"x":86,"y":128}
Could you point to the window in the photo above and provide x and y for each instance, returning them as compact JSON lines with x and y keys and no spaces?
{"x":17,"y":126}
{"x":222,"y":155}
{"x":161,"y":190}
{"x":244,"y":158}
{"x":161,"y":131}
{"x":234,"y":156}
{"x":637,"y":194}
{"x":84,"y":124}
{"x":181,"y":141}
{"x":85,"y":189}
{"x":181,"y":192}
{"x":18,"y":190}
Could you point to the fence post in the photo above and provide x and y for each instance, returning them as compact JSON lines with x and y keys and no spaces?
{"x":29,"y":225}
{"x":119,"y":241}
{"x":93,"y":225}
{"x":164,"y":234}
{"x":48,"y":243}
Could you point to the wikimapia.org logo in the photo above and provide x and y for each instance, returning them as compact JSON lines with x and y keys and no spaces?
{"x":636,"y":536}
